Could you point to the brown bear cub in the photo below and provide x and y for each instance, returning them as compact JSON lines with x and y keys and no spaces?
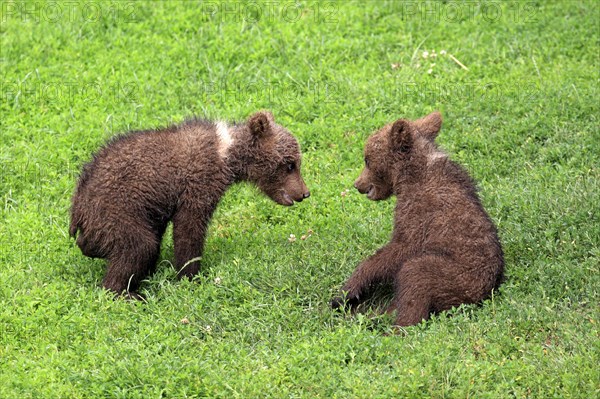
{"x":444,"y":249}
{"x":140,"y":181}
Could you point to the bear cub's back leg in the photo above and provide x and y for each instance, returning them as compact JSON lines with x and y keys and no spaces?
{"x":89,"y":247}
{"x":426,"y":284}
{"x":131,"y":260}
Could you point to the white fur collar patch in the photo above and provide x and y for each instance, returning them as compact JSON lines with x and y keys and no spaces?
{"x":434,"y":156}
{"x":225,"y":138}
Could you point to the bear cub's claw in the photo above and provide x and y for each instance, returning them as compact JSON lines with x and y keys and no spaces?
{"x":131,"y":296}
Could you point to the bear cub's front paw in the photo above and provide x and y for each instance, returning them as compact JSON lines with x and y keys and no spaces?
{"x":344,"y":302}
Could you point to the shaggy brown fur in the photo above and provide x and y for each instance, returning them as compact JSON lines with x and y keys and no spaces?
{"x":139,"y":182}
{"x":444,"y":249}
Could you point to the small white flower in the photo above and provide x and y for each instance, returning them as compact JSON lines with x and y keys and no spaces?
{"x":443,"y":52}
{"x":429,"y":71}
{"x":218,"y":280}
{"x":208,"y":328}
{"x":292,"y":238}
{"x":425,"y":54}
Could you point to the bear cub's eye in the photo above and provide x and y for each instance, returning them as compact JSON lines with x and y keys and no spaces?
{"x":291,"y":166}
{"x":366,"y":162}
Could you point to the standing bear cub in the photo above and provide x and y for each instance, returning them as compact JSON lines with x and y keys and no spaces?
{"x":140,"y":181}
{"x":444,"y":249}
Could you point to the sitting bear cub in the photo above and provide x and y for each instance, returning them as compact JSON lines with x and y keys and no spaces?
{"x":140,"y":181}
{"x":444,"y":249}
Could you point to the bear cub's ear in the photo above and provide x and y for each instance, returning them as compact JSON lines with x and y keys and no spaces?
{"x":260,"y":124}
{"x":429,"y":126}
{"x":400,"y":136}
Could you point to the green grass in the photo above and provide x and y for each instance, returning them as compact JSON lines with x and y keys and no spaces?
{"x":524,"y":120}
